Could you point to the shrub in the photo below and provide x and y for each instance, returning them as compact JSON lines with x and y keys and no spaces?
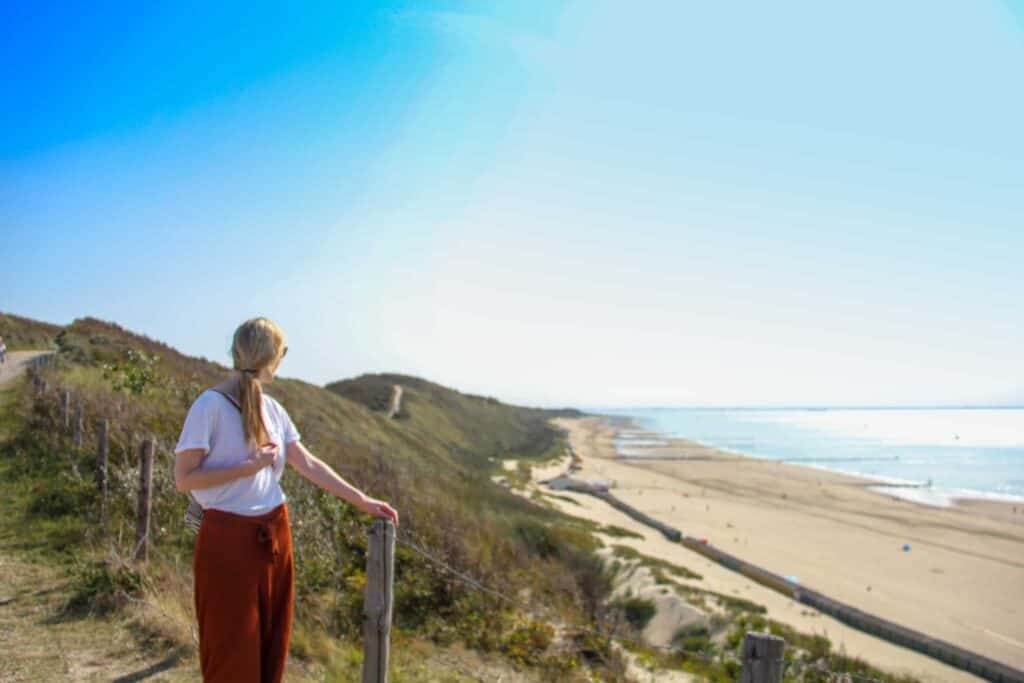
{"x":526,"y":643}
{"x":102,"y":586}
{"x":638,"y":611}
{"x":693,"y":638}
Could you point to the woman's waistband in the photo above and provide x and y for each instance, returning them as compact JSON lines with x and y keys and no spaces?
{"x":225,"y":518}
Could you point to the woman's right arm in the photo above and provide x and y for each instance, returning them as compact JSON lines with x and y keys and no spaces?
{"x":188,"y":472}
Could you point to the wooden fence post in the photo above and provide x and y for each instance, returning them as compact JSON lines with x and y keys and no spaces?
{"x":145,"y":500}
{"x":76,"y":439}
{"x":101,"y":464}
{"x":380,"y":579}
{"x":65,"y":408}
{"x":762,"y":658}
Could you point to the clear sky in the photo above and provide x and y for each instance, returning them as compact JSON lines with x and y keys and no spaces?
{"x":593,"y":203}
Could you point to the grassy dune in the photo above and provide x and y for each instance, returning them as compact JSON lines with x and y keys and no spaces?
{"x":434,"y":463}
{"x":22,"y":334}
{"x":71,"y":576}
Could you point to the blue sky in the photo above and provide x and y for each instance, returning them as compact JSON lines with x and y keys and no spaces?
{"x":586,"y":203}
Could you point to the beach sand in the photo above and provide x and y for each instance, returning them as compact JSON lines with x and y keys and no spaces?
{"x":962,"y":579}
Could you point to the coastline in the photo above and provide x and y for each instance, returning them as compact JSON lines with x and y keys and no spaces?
{"x":871,"y":444}
{"x":1003,"y":507}
{"x":962,"y":579}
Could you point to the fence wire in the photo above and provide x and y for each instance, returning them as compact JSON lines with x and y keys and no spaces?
{"x":526,"y":608}
{"x":793,"y":667}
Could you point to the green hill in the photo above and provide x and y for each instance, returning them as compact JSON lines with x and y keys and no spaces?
{"x":23,"y":333}
{"x":434,"y":463}
{"x":69,"y":577}
{"x":475,"y":429}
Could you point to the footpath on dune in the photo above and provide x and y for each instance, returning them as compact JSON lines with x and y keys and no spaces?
{"x":42,"y":639}
{"x":17,"y":363}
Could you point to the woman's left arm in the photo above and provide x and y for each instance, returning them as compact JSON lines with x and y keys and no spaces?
{"x":321,"y":474}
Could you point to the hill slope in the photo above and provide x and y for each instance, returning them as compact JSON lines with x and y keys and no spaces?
{"x":24,"y":333}
{"x":434,"y":464}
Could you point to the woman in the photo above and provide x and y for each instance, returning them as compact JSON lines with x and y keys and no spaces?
{"x":230,"y":458}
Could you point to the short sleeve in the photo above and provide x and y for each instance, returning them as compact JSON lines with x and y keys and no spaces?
{"x":198,"y":427}
{"x":288,"y":431}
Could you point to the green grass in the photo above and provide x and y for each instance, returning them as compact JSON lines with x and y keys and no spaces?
{"x":434,"y":464}
{"x":24,"y":334}
{"x":810,"y":649}
{"x":617,"y":531}
{"x":659,"y":568}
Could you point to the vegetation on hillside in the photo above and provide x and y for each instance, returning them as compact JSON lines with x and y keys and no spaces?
{"x":436,"y":473}
{"x":436,"y":463}
{"x":23,"y":333}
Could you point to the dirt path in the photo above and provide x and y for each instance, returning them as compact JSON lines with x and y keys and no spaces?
{"x":396,"y":401}
{"x":43,"y":643}
{"x":41,"y":640}
{"x":17,"y":363}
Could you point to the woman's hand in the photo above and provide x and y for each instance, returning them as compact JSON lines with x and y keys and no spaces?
{"x":378,"y":508}
{"x":264,"y":456}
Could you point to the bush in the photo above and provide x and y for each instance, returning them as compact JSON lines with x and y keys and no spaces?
{"x":65,"y":494}
{"x":638,"y":611}
{"x":693,"y":638}
{"x":102,"y":587}
{"x":526,"y":643}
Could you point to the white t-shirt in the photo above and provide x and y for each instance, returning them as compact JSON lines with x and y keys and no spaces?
{"x":214,"y":424}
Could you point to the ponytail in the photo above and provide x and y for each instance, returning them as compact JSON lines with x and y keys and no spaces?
{"x":251,"y":401}
{"x":258,"y":343}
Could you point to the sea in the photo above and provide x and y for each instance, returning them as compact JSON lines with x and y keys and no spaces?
{"x":929,"y":455}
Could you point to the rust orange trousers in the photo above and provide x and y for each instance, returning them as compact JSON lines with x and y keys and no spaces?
{"x":244,"y":589}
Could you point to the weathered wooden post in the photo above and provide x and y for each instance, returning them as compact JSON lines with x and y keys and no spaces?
{"x":42,"y":387}
{"x":762,"y":658}
{"x":65,"y":408}
{"x":102,"y":446}
{"x":380,"y":579}
{"x":145,"y":500}
{"x":76,"y":439}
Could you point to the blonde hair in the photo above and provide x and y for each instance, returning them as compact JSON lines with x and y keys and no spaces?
{"x":258,"y":343}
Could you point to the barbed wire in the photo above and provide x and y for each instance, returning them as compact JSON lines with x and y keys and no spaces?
{"x":795,"y":667}
{"x":526,"y":608}
{"x":705,"y":655}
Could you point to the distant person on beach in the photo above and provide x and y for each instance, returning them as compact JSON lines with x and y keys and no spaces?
{"x":3,"y":351}
{"x":230,"y":459}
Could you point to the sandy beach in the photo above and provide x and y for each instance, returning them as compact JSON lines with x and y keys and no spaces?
{"x":962,"y":579}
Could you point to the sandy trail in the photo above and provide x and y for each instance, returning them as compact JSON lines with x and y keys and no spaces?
{"x":962,"y":580}
{"x":17,"y":363}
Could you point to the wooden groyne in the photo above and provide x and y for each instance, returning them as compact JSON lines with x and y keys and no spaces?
{"x":670,"y":532}
{"x":941,"y":650}
{"x":945,"y":652}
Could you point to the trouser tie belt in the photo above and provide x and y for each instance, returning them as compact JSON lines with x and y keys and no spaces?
{"x":266,"y":536}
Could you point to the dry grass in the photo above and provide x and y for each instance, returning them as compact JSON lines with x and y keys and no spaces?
{"x":434,"y":463}
{"x":45,"y":642}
